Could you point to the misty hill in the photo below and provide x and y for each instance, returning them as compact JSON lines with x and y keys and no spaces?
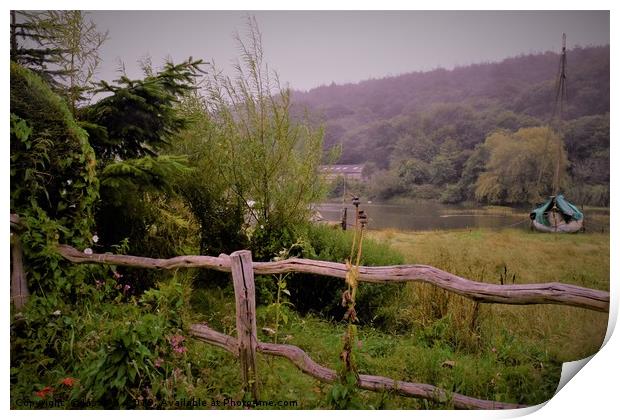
{"x":383,"y":121}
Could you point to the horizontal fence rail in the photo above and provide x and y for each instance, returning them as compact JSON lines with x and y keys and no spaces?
{"x":511,"y":294}
{"x":369,"y":382}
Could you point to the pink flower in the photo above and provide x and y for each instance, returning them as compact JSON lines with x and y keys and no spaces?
{"x":176,"y":343}
{"x":158,"y":362}
{"x":116,"y":275}
{"x":176,"y":340}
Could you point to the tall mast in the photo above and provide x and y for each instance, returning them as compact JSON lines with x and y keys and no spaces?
{"x":558,"y":113}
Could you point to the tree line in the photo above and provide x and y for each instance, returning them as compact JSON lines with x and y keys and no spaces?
{"x":428,"y":134}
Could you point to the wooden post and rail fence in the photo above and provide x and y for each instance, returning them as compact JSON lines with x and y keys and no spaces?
{"x":246,"y":344}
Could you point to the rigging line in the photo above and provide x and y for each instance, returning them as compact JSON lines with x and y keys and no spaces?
{"x":560,"y":116}
{"x":560,"y":96}
{"x":517,"y":223}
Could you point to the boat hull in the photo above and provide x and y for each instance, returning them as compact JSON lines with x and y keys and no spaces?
{"x":561,"y":227}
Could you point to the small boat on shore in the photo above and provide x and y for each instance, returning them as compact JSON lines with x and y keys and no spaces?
{"x":557,"y":215}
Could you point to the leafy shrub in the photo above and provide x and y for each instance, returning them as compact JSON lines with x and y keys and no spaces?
{"x":321,"y":294}
{"x":53,"y":182}
{"x":121,"y":351}
{"x":125,"y":363}
{"x":386,"y":184}
{"x":52,"y":163}
{"x":424,"y":191}
{"x":452,"y":193}
{"x":140,"y":347}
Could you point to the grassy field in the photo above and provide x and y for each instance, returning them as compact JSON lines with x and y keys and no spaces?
{"x":498,"y":352}
{"x":522,"y":257}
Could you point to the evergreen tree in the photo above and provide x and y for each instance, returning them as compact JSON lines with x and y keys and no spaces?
{"x":61,"y":46}
{"x":32,"y":47}
{"x":138,"y":117}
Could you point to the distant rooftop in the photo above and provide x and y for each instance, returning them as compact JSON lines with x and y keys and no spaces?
{"x":341,"y":169}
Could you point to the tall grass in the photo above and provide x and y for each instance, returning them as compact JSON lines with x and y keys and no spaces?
{"x":505,"y":257}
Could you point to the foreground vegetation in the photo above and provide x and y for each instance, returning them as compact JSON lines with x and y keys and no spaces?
{"x":426,"y":335}
{"x":415,"y":333}
{"x":501,"y":352}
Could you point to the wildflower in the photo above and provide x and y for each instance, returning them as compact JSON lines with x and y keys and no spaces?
{"x":176,"y":340}
{"x":44,"y":392}
{"x":88,"y":251}
{"x":126,"y":288}
{"x":176,"y":343}
{"x":56,"y":312}
{"x":99,"y":283}
{"x":69,"y":182}
{"x":158,"y":362}
{"x":95,"y":238}
{"x":68,"y":381}
{"x":116,"y":275}
{"x":494,"y":350}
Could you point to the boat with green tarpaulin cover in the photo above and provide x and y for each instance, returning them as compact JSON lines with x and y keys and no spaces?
{"x":557,"y":215}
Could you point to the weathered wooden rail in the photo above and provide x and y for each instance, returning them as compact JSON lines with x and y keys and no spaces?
{"x":246,"y":345}
{"x":513,"y":294}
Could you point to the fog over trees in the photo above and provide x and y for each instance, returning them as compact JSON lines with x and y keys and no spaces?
{"x":422,"y":134}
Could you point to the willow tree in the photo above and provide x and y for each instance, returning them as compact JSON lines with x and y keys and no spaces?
{"x":521,"y":165}
{"x":268,"y":160}
{"x":218,"y":211}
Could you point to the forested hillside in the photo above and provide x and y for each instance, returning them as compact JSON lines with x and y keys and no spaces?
{"x":422,"y":134}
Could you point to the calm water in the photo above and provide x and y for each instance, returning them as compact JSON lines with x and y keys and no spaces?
{"x":428,"y":215}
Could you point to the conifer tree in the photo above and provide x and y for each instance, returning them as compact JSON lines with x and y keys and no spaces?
{"x":61,"y":46}
{"x":138,"y":117}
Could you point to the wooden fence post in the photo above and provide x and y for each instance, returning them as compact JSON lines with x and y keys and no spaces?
{"x":245,"y":302}
{"x":19,"y":286}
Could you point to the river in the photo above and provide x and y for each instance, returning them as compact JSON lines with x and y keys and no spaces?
{"x":429,"y":215}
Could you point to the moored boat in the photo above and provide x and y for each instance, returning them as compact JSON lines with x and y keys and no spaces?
{"x":557,"y":215}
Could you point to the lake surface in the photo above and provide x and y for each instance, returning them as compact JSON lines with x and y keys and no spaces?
{"x":429,"y":215}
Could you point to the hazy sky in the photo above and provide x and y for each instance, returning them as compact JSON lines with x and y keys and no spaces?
{"x":309,"y":49}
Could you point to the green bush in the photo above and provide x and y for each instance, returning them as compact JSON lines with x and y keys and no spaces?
{"x":53,"y":183}
{"x":117,"y":351}
{"x":322,"y":294}
{"x":52,"y":163}
{"x":452,"y":194}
